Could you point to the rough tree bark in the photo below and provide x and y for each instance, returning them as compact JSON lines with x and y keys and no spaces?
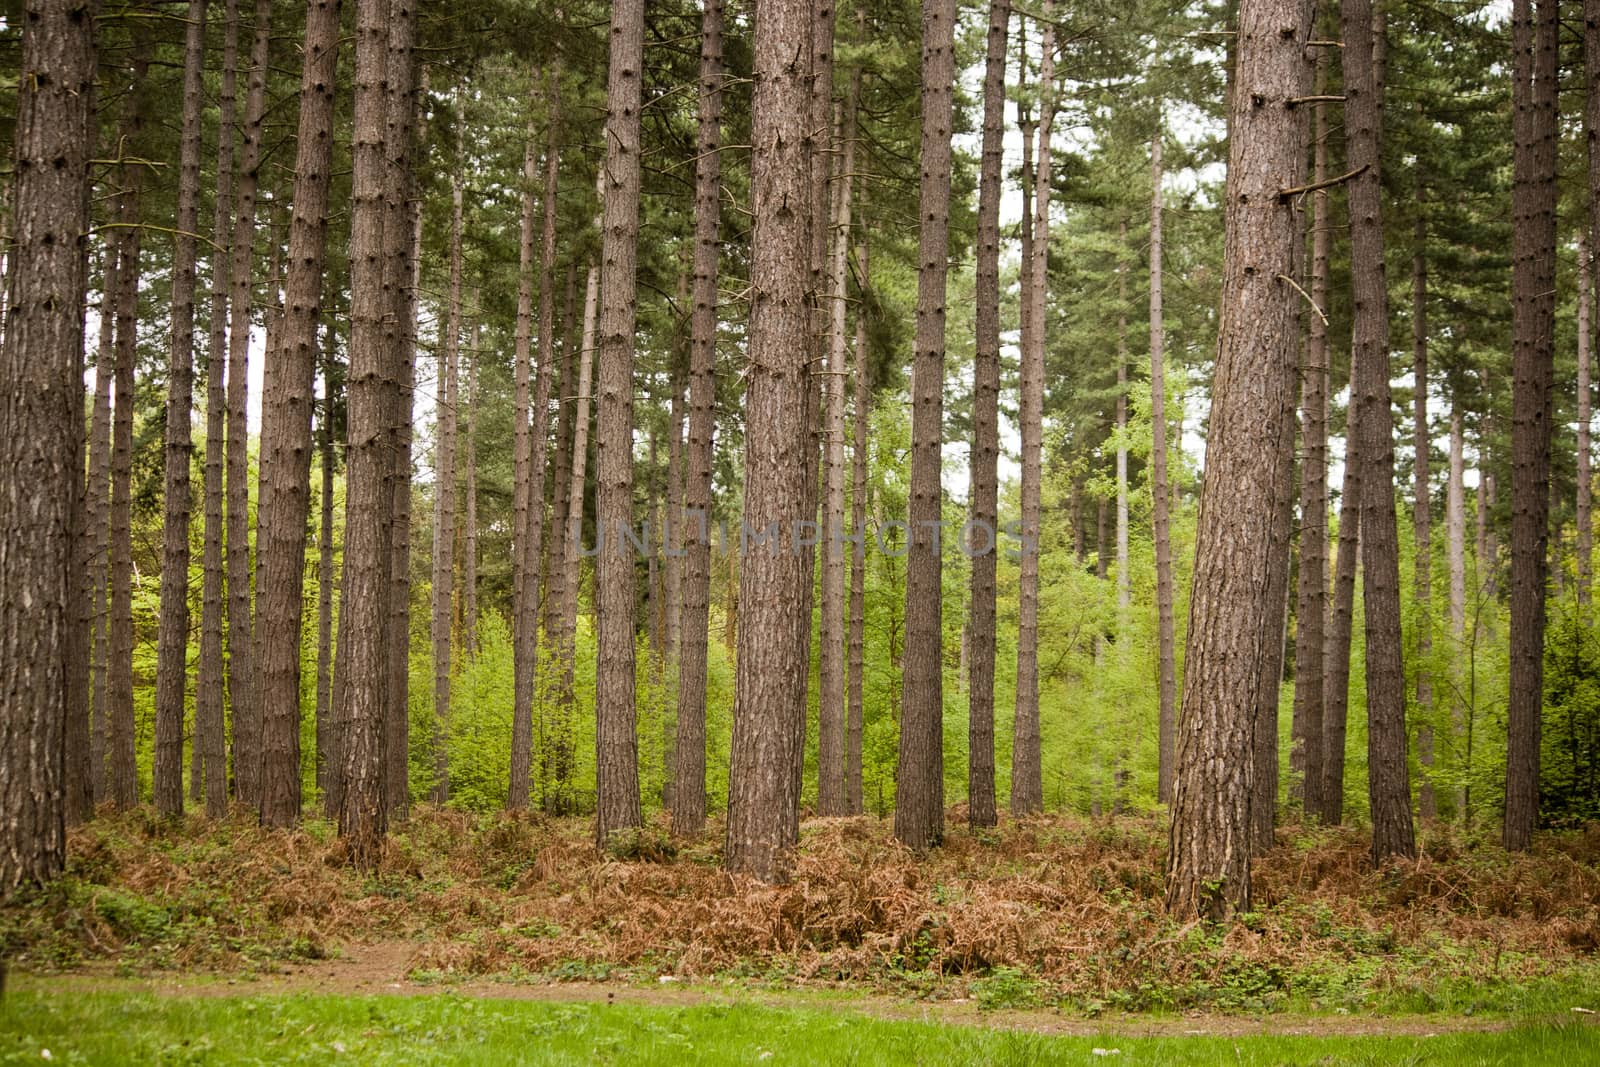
{"x":444,"y":508}
{"x":1208,"y":864}
{"x":369,"y":498}
{"x":172,"y":640}
{"x":1027,"y":771}
{"x":861,"y":416}
{"x":246,"y":709}
{"x":210,"y":741}
{"x":402,"y":242}
{"x":1533,"y":284}
{"x":285,"y":465}
{"x":97,"y":523}
{"x":919,"y":783}
{"x":986,"y":433}
{"x":1336,"y":692}
{"x":831,"y":793}
{"x":41,"y":425}
{"x":771,"y":654}
{"x":616,"y":740}
{"x":1388,"y":790}
{"x":1584,"y":506}
{"x":1311,"y":611}
{"x":326,"y":773}
{"x":119,"y":697}
{"x":1421,"y":521}
{"x":1455,"y":522}
{"x":1161,"y":520}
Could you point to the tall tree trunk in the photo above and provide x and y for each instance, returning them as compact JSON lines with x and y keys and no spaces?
{"x":1160,"y":496}
{"x":469,"y":502}
{"x":616,"y":740}
{"x":524,"y":639}
{"x":369,"y":497}
{"x":1264,"y":786}
{"x":919,"y":783}
{"x":41,"y":425}
{"x":689,"y":790}
{"x":672,"y":569}
{"x":1387,"y":787}
{"x":246,"y":708}
{"x":172,"y":641}
{"x":1124,"y":578}
{"x":444,"y":508}
{"x":561,"y":746}
{"x":986,"y":433}
{"x":1455,"y":522}
{"x":1027,"y":771}
{"x":119,"y":697}
{"x":1533,"y":278}
{"x":1311,"y":611}
{"x":1588,"y":266}
{"x":561,"y":463}
{"x":1336,"y":694}
{"x":1208,"y":863}
{"x":1585,"y":546}
{"x":531,"y":536}
{"x":762,"y":788}
{"x":97,"y":523}
{"x":820,"y":128}
{"x":210,"y":741}
{"x":1421,"y":522}
{"x":832,"y":794}
{"x":326,"y":773}
{"x":861,"y":416}
{"x":285,"y":463}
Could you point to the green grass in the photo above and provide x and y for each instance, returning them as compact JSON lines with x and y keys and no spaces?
{"x":103,"y":1027}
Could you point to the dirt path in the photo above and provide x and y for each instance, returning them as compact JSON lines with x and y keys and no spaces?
{"x":381,"y":969}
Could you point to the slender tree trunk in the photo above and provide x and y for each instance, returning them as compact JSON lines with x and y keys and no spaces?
{"x":285,"y":463}
{"x":861,"y":417}
{"x":1588,"y":266}
{"x":172,"y":642}
{"x":1160,"y":495}
{"x":1585,"y":533}
{"x":124,"y":766}
{"x":1336,"y":695}
{"x":919,"y":784}
{"x":832,"y":792}
{"x":1027,"y":773}
{"x":1311,"y":612}
{"x":369,"y":498}
{"x":444,"y":509}
{"x":1455,"y":551}
{"x":402,"y":243}
{"x":1535,"y":123}
{"x":1264,"y":787}
{"x":672,"y":567}
{"x":530,"y":537}
{"x":469,"y":501}
{"x":524,"y":637}
{"x":762,"y":788}
{"x":986,"y":434}
{"x":562,"y":754}
{"x":246,"y":709}
{"x":41,"y":426}
{"x":97,"y":521}
{"x":561,"y":465}
{"x":209,"y":778}
{"x":1387,"y":787}
{"x":1422,"y":529}
{"x":1124,"y":579}
{"x":1208,"y":864}
{"x":616,"y":740}
{"x":326,"y":772}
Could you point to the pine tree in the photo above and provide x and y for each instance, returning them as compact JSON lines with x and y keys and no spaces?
{"x":41,"y":422}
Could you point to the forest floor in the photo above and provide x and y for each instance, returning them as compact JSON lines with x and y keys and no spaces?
{"x":1052,"y":925}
